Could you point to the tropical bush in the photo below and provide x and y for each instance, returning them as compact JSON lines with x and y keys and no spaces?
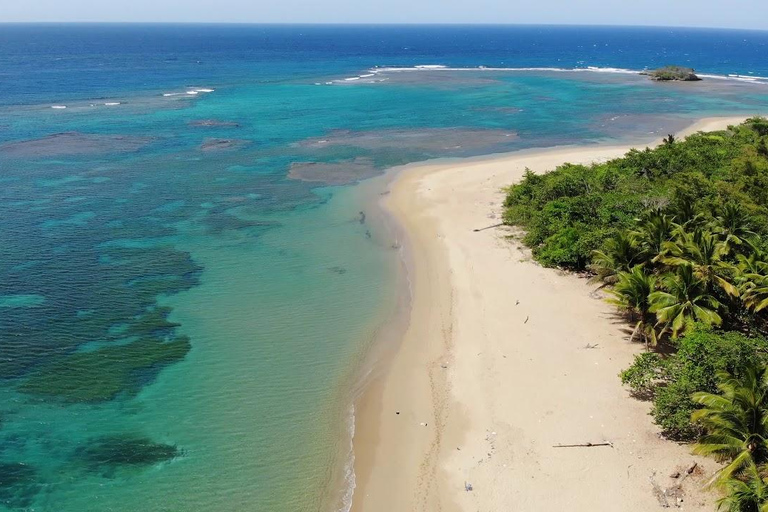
{"x":576,"y":209}
{"x":735,"y":424}
{"x":670,"y":381}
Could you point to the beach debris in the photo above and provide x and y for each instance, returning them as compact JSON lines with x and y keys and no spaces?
{"x":397,"y":412}
{"x":423,"y":424}
{"x":361,"y":217}
{"x":488,"y":227}
{"x":583,"y":445}
{"x":675,"y":492}
{"x":517,"y":303}
{"x":588,"y":346}
{"x":443,"y":366}
{"x":468,"y":487}
{"x":661,"y":494}
{"x":526,"y":319}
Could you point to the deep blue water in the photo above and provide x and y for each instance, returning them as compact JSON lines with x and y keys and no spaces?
{"x":189,"y":279}
{"x":43,"y":62}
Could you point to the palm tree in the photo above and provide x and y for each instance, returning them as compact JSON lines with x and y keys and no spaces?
{"x":686,"y":214}
{"x":746,"y":494}
{"x":622,"y":252}
{"x":631,"y":293}
{"x":755,"y":261}
{"x":735,"y":421}
{"x":752,"y":278}
{"x":755,"y":292}
{"x":733,"y":224}
{"x":655,"y":230}
{"x":705,"y":253}
{"x":685,"y":302}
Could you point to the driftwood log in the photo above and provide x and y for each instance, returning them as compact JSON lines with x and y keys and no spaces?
{"x":488,"y":227}
{"x":584,"y":445}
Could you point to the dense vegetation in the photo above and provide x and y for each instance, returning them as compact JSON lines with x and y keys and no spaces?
{"x":672,"y":73}
{"x":576,"y":209}
{"x":679,"y":234}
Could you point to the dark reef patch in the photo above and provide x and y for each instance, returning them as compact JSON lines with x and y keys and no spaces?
{"x":73,"y":144}
{"x":211,"y":145}
{"x":105,"y":455}
{"x":106,"y":373}
{"x":424,"y":139}
{"x":152,"y":323}
{"x":18,"y":485}
{"x":219,"y":222}
{"x":333,"y":173}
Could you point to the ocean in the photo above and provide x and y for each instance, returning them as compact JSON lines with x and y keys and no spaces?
{"x":192,"y":284}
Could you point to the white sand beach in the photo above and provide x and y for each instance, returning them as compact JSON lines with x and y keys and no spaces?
{"x":501,"y":361}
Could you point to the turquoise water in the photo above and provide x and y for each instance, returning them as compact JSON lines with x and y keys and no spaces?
{"x":190,"y":283}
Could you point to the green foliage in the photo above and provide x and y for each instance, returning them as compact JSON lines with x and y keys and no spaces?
{"x":644,"y":375}
{"x":735,"y":433}
{"x":735,"y":420}
{"x":670,"y":381}
{"x":576,"y":209}
{"x":684,"y":302}
{"x":749,"y":493}
{"x":672,"y":73}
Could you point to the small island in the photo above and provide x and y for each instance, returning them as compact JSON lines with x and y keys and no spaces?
{"x":672,"y":73}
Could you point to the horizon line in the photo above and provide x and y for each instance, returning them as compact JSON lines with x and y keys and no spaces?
{"x":376,"y":24}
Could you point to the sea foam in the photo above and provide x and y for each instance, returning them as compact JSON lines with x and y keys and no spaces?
{"x":588,"y":69}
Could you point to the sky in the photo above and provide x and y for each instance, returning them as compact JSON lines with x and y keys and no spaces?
{"x":751,"y":14}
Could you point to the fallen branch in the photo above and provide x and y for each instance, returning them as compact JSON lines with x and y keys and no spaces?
{"x":488,"y":227}
{"x":584,"y":445}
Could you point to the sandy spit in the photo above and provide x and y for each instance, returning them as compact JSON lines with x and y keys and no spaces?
{"x":494,"y":368}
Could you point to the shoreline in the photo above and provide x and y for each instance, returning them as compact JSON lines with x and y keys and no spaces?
{"x":474,"y":392}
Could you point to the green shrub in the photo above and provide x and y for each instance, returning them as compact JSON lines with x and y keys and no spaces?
{"x":670,"y":381}
{"x":571,"y":211}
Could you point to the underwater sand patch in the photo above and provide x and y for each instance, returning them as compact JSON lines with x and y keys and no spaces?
{"x":498,"y":110}
{"x":424,"y":139}
{"x":639,"y":125}
{"x":333,"y":173}
{"x":213,"y":123}
{"x":73,"y":144}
